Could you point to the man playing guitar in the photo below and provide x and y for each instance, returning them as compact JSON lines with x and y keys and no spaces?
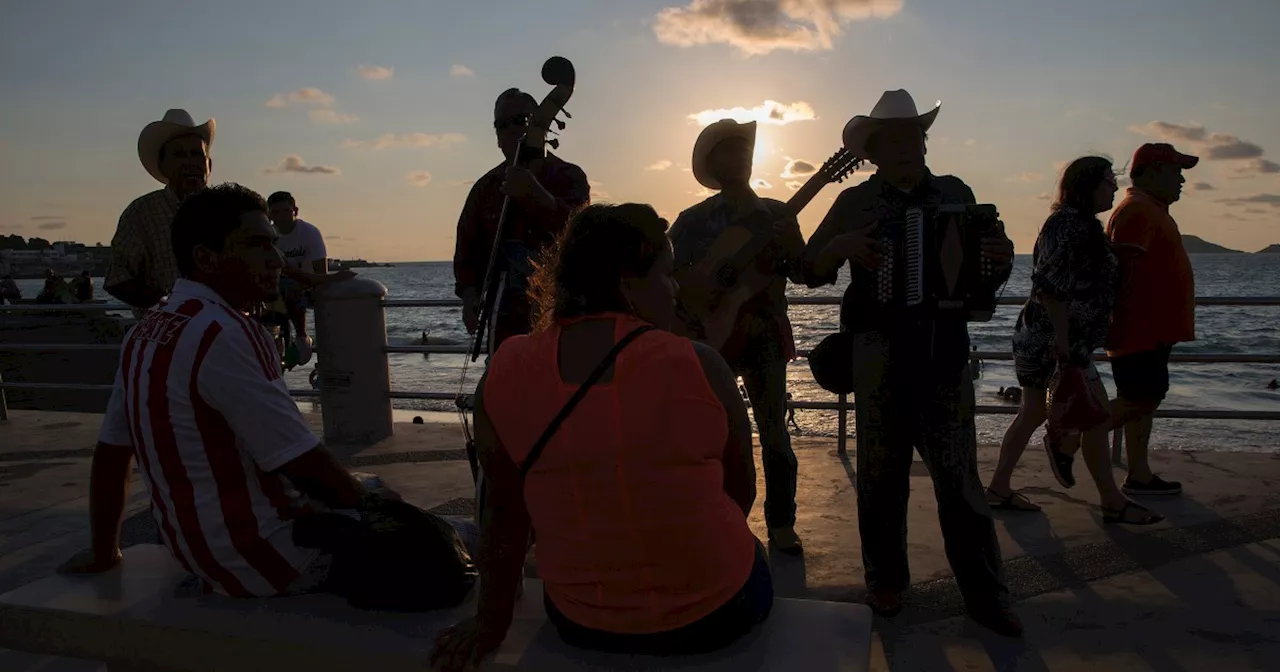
{"x":544,"y":198}
{"x":761,"y":341}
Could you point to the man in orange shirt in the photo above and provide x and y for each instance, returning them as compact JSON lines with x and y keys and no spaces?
{"x":1156,"y":305}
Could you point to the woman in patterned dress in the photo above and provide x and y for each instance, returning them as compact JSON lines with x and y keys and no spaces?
{"x":1074,"y":278}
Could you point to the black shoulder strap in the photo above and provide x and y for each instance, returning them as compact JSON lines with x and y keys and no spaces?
{"x":578,"y":395}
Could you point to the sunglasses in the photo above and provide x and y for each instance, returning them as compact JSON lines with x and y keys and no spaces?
{"x":515,"y":120}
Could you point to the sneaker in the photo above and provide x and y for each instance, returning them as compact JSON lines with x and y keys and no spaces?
{"x":304,"y":349}
{"x":1059,"y":462}
{"x":1155,"y":486}
{"x":786,"y":539}
{"x":885,"y":603}
{"x":998,"y":619}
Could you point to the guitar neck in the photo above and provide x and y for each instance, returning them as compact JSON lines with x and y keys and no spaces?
{"x":805,"y":194}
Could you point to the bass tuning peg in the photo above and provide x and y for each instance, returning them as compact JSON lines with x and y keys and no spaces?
{"x":566,"y":113}
{"x":555,"y":144}
{"x":559,"y":124}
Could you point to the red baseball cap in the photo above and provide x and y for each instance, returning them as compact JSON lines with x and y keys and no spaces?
{"x":1159,"y":153}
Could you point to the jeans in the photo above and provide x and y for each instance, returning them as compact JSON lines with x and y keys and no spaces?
{"x":765,"y":377}
{"x":901,"y":406}
{"x":722,"y":627}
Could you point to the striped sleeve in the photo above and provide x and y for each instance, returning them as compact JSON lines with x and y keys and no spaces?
{"x":115,"y":424}
{"x":237,"y":377}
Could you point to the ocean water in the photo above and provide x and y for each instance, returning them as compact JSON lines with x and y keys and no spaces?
{"x":1221,"y":329}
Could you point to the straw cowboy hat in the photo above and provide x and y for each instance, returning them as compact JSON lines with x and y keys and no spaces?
{"x":710,"y":137}
{"x":174,"y":124}
{"x":893,"y":106}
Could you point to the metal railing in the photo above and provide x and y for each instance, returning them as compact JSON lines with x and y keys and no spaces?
{"x":842,"y":405}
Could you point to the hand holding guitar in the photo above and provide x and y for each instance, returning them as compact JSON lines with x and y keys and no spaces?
{"x":520,"y":184}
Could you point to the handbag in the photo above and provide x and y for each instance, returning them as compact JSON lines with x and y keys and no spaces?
{"x":1073,"y":404}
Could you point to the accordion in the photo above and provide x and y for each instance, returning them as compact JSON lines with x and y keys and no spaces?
{"x":931,"y":260}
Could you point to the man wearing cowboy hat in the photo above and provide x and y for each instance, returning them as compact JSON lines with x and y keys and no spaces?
{"x":175,"y":151}
{"x":762,"y":342}
{"x":911,"y":383}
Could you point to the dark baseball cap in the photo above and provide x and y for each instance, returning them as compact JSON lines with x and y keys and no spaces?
{"x":1161,"y":153}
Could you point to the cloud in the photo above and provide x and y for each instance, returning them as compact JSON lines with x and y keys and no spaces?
{"x":376,"y":71}
{"x":1023,"y":178}
{"x":1257,"y":167}
{"x":418,"y":178}
{"x":760,"y":183}
{"x":768,"y":112}
{"x":1272,"y":200}
{"x":798,"y":168}
{"x":597,"y":194}
{"x":292,"y":163}
{"x":461,"y":71}
{"x":659,"y":165}
{"x":793,"y":185}
{"x":757,"y":27}
{"x":703,"y":192}
{"x":1256,"y":211}
{"x":393,"y":141}
{"x":327,"y":116}
{"x":1044,"y":196}
{"x":42,"y":218}
{"x":461,"y":183}
{"x":52,"y":226}
{"x":307,"y":96}
{"x":1203,"y":186}
{"x":1213,"y":146}
{"x":970,"y":143}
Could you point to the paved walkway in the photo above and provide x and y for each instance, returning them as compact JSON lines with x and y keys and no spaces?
{"x":1198,"y":591}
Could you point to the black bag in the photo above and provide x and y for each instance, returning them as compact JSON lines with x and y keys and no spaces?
{"x":831,"y":363}
{"x":397,"y":557}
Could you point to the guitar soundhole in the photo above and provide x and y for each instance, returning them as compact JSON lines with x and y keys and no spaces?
{"x":727,"y":276}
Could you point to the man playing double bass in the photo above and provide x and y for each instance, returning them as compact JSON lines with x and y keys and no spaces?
{"x":542,"y":200}
{"x":911,"y":382}
{"x":761,"y":343}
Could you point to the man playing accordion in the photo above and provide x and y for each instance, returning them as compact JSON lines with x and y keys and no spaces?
{"x":911,"y":377}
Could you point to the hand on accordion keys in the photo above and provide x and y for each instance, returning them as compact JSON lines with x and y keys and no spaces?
{"x":859,"y":247}
{"x":999,"y":250}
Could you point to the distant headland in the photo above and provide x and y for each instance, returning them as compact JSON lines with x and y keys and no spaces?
{"x":1198,"y":245}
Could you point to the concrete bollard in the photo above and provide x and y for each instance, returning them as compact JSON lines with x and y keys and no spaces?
{"x":351,"y":334}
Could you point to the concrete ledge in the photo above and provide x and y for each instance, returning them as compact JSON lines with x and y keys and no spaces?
{"x":130,"y":618}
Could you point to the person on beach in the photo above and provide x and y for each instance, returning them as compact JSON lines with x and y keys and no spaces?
{"x":762,"y":342}
{"x":306,"y":265}
{"x":9,"y":290}
{"x":175,"y":151}
{"x":543,"y":199}
{"x":230,"y":462}
{"x":1074,"y":276}
{"x":1156,"y":307}
{"x":640,"y":497}
{"x":911,"y":380}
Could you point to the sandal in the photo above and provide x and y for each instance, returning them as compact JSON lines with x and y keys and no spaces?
{"x":1141,"y":515}
{"x":1014,"y":501}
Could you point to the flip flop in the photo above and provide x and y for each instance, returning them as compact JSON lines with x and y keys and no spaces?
{"x":1014,"y":501}
{"x":1141,"y":515}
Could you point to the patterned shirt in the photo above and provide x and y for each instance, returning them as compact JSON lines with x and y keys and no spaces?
{"x":142,"y":249}
{"x":1072,"y":262}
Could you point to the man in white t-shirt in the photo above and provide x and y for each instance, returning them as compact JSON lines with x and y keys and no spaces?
{"x":306,"y":264}
{"x":231,"y":464}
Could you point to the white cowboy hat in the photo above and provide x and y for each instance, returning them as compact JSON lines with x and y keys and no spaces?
{"x":710,"y":137}
{"x":894,"y":105}
{"x":175,"y":123}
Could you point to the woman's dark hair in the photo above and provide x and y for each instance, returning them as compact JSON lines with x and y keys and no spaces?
{"x":207,"y":217}
{"x":582,"y":272}
{"x":1080,"y":179}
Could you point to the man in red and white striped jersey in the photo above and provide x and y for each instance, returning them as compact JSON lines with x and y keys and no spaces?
{"x":199,"y":400}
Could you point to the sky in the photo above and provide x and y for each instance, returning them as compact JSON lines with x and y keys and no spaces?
{"x":377,"y":116}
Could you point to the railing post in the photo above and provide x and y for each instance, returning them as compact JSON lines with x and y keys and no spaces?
{"x":843,"y":424}
{"x":4,"y":407}
{"x":355,"y":381}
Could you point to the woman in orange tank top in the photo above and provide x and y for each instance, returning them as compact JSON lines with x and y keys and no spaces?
{"x":640,"y":496}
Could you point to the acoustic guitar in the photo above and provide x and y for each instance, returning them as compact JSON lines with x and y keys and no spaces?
{"x":713,"y":290}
